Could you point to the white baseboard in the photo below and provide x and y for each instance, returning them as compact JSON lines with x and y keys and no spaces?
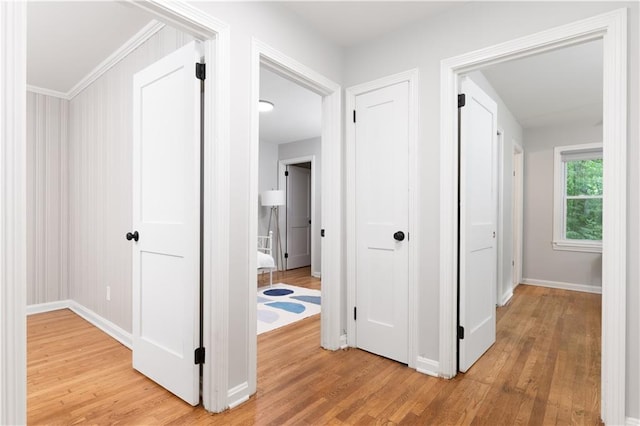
{"x":48,"y":307}
{"x":238,"y":394}
{"x":103,"y":324}
{"x":427,"y":366}
{"x":563,"y":286}
{"x":506,"y":297}
{"x":343,"y":341}
{"x":632,"y":421}
{"x":316,"y":274}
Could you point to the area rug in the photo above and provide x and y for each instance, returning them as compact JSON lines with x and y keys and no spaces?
{"x":283,"y":304}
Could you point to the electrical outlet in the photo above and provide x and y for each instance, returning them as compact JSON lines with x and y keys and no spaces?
{"x":109,"y":293}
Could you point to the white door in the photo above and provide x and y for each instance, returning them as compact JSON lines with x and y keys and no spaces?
{"x":478,"y":199}
{"x":298,"y":250}
{"x":166,"y":215}
{"x":382,"y":216}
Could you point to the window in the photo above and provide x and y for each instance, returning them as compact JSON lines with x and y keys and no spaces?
{"x":577,"y":221}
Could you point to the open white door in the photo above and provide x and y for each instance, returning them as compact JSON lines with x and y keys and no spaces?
{"x":478,"y":201}
{"x":382,"y":218}
{"x":166,"y":216}
{"x":298,"y":250}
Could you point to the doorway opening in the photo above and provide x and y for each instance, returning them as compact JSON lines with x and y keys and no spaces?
{"x":328,"y":227}
{"x":608,"y":27}
{"x":213,"y":34}
{"x":290,"y":134}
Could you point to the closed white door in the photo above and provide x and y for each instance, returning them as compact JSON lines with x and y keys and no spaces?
{"x":478,"y":200}
{"x":382,"y":215}
{"x":166,"y":215}
{"x":298,"y":250}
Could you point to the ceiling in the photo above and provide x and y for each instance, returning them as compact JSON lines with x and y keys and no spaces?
{"x":296,"y":114}
{"x":561,"y":86}
{"x":66,"y":40}
{"x":352,"y":22}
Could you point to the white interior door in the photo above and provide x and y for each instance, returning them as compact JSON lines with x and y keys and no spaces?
{"x":166,"y":215}
{"x":478,"y":200}
{"x":382,"y":216}
{"x":298,"y":250}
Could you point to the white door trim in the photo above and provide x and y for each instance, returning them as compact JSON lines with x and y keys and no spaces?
{"x":500,"y":219}
{"x":13,"y":214}
{"x":215,"y":35}
{"x":517,"y":212}
{"x":612,"y":28}
{"x":315,"y":227}
{"x":331,"y":175}
{"x":410,"y":76}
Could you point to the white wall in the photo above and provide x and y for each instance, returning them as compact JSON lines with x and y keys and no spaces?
{"x":541,"y":261}
{"x":280,"y":28}
{"x":267,"y":180}
{"x":471,"y":26}
{"x":47,"y":120}
{"x":100,"y":188}
{"x":512,"y":132}
{"x":299,"y":149}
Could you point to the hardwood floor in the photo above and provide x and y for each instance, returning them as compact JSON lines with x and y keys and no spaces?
{"x":544,"y":369}
{"x":300,"y":277}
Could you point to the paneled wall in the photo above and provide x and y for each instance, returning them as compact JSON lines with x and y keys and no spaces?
{"x":100,"y":193}
{"x":47,"y":224}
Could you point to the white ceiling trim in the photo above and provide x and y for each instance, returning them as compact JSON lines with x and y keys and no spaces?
{"x":47,"y":92}
{"x":129,"y":46}
{"x":132,"y":44}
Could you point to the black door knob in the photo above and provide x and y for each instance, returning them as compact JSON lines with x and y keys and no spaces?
{"x":398,"y":236}
{"x":133,"y":236}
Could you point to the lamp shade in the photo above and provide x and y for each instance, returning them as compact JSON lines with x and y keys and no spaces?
{"x":273,"y":198}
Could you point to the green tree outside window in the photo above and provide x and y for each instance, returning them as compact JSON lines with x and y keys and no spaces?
{"x":584,"y":200}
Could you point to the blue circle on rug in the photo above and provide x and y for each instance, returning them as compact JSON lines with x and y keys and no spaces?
{"x":277,"y":292}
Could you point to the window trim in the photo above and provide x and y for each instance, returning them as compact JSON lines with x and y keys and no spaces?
{"x":560,"y":242}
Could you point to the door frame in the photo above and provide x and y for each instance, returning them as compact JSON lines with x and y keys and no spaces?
{"x":331,"y":145}
{"x":612,"y":28}
{"x":410,"y":76}
{"x":315,"y":227}
{"x":215,"y":35}
{"x":500,"y":217}
{"x":517,"y":213}
{"x":13,"y":214}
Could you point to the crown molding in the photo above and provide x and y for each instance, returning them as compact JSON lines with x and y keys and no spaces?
{"x":129,"y":46}
{"x":47,"y":92}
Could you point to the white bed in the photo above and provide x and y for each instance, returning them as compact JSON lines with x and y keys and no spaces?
{"x":265,"y":255}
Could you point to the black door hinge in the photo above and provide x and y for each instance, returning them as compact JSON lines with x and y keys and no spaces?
{"x":462,"y":99}
{"x":322,"y":232}
{"x":355,"y":313}
{"x":199,"y":356}
{"x":460,"y":332}
{"x":354,"y":115}
{"x":286,"y":255}
{"x":201,"y":71}
{"x":286,"y":172}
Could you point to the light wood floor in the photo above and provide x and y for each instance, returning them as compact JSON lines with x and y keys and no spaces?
{"x":544,"y":369}
{"x":300,"y":277}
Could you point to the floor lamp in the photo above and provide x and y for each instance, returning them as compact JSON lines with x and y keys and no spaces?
{"x":275,"y":199}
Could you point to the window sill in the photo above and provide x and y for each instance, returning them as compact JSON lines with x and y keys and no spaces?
{"x":582,"y":246}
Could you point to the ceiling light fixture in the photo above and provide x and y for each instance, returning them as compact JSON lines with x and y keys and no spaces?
{"x":264,"y":106}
